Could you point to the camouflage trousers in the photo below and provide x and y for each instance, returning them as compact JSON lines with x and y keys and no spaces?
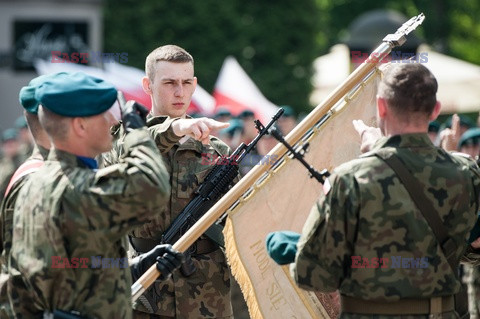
{"x":445,"y":315}
{"x":142,"y":315}
{"x":472,"y":279}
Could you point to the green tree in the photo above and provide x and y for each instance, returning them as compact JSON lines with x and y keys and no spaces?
{"x":274,"y":41}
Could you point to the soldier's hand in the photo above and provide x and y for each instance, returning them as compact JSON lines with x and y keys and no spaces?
{"x":368,"y":135}
{"x":476,"y":243}
{"x":169,"y":260}
{"x":199,"y":128}
{"x":134,"y":116}
{"x":450,"y":137}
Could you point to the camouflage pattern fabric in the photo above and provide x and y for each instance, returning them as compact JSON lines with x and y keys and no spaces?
{"x":206,"y":293}
{"x":6,"y":226}
{"x":7,"y":168}
{"x":69,"y":211}
{"x":367,"y":213}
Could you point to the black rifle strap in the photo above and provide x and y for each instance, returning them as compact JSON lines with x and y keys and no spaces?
{"x":425,"y":206}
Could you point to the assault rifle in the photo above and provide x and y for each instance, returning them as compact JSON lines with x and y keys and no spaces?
{"x":216,"y":184}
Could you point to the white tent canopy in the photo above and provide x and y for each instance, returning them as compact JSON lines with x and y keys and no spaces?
{"x":458,"y":81}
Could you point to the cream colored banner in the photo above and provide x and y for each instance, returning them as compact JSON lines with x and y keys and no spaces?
{"x":281,"y":200}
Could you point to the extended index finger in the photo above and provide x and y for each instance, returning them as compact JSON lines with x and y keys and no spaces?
{"x":359,"y":126}
{"x":213,"y":124}
{"x":456,"y":124}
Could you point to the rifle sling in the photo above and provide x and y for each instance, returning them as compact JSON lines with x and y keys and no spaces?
{"x":425,"y":206}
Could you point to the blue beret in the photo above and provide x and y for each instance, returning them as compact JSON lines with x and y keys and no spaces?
{"x":76,"y":94}
{"x":27,"y":93}
{"x":235,"y":126}
{"x":282,"y":246}
{"x":471,"y":136}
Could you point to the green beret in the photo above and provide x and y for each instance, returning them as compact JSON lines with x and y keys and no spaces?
{"x":282,"y":246}
{"x":76,"y":94}
{"x":464,"y":121}
{"x":27,"y":93}
{"x":287,"y":111}
{"x":245,"y":114}
{"x":235,"y":126}
{"x":433,"y":126}
{"x":470,"y":137}
{"x":9,"y":134}
{"x":20,"y":123}
{"x":222,"y":112}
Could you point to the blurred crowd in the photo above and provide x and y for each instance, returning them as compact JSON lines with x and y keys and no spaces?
{"x":458,"y":133}
{"x":16,"y":147}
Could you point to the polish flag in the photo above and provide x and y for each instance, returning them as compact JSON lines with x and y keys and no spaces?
{"x":235,"y":91}
{"x":128,"y":80}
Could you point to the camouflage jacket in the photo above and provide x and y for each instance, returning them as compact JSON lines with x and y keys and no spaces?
{"x":367,"y":238}
{"x":206,"y":293}
{"x":70,"y":226}
{"x":6,"y":225}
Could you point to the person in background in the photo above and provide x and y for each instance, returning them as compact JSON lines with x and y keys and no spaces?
{"x":287,"y":122}
{"x":433,"y":129}
{"x":31,"y":164}
{"x":24,"y":137}
{"x":249,"y":130}
{"x":11,"y":157}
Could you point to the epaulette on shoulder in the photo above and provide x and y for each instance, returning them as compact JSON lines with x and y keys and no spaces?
{"x":219,"y":145}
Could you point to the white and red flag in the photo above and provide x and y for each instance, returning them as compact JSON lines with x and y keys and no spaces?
{"x":235,"y":91}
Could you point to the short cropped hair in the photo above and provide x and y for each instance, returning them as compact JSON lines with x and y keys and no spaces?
{"x":33,"y":124}
{"x":170,"y":53}
{"x":55,"y":125}
{"x":409,"y":88}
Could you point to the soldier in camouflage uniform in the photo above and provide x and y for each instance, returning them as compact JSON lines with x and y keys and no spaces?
{"x":68,"y":214}
{"x":12,"y":158}
{"x":367,"y":238}
{"x":33,"y":163}
{"x":170,"y":82}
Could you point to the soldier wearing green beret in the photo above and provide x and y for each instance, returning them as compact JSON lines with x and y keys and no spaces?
{"x":71,"y":219}
{"x":11,"y":157}
{"x":368,"y":238}
{"x":31,"y":164}
{"x":185,"y":145}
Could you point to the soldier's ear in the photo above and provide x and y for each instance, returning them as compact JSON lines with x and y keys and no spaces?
{"x":381,"y":107}
{"x":435,"y":112}
{"x":146,"y":85}
{"x":79,"y":126}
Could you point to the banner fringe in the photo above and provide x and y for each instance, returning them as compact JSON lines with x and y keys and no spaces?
{"x":239,"y":272}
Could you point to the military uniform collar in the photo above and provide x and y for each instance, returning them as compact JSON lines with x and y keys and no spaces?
{"x":403,"y":141}
{"x":65,"y":157}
